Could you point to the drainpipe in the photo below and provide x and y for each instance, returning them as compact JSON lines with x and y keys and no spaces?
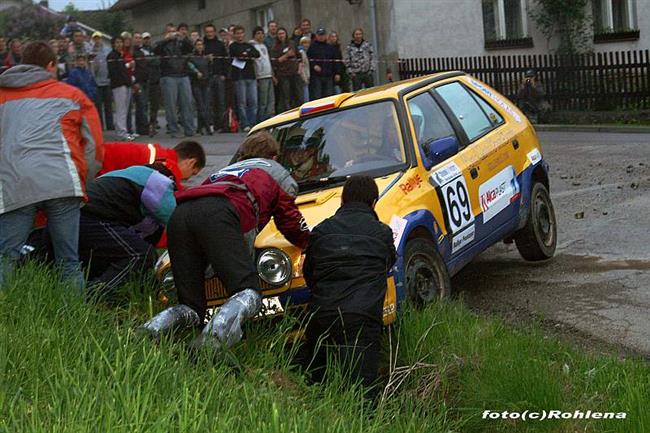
{"x":375,"y":35}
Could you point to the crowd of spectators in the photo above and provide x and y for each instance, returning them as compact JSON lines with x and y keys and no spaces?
{"x":212,"y":81}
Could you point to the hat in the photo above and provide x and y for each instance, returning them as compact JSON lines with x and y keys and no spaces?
{"x":321,"y":31}
{"x":146,"y":35}
{"x":223,"y":30}
{"x":97,"y":35}
{"x":530,"y":73}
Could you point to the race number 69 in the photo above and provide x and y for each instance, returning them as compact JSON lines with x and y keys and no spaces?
{"x":459,"y":208}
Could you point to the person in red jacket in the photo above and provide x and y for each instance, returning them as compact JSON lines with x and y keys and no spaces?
{"x":216,"y":224}
{"x":185,"y":160}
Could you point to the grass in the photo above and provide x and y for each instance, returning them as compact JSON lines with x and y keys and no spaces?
{"x":67,"y":366}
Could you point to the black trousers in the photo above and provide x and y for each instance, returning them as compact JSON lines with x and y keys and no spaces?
{"x":207,"y":231}
{"x":353,"y":342}
{"x":111,"y":252}
{"x":104,"y":106}
{"x":362,"y":80}
{"x":155,"y":96}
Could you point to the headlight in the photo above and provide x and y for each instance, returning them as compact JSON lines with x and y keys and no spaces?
{"x":274,"y":266}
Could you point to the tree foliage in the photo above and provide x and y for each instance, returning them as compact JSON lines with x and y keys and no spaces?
{"x":569,"y":20}
{"x":111,"y":23}
{"x":30,"y":22}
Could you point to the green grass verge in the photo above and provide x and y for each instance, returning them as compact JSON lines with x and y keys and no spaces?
{"x":67,"y":366}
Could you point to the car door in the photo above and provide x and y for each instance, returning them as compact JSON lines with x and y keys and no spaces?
{"x":449,"y":175}
{"x":488,"y":155}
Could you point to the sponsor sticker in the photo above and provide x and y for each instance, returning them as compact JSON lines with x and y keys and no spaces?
{"x":534,"y":156}
{"x":398,"y":226}
{"x":411,"y":184}
{"x":462,"y":239}
{"x":496,"y":98}
{"x":445,"y":174}
{"x":496,"y":194}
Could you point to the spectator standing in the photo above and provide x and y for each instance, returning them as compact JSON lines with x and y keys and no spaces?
{"x":264,"y":75}
{"x":324,"y":68}
{"x":305,"y":30}
{"x":184,"y":31}
{"x":70,"y":27}
{"x":226,"y":37}
{"x":121,"y":85}
{"x":82,"y":78}
{"x":53,"y":145}
{"x":360,"y":61}
{"x":127,"y":53}
{"x":14,"y":56}
{"x":140,"y":86}
{"x":194,"y":36}
{"x":304,"y":68}
{"x":154,"y":95}
{"x":242,"y":72}
{"x":201,"y":75}
{"x":285,"y":72}
{"x":99,"y":67}
{"x":216,"y":51}
{"x":340,"y":85}
{"x":271,"y":36}
{"x":3,"y":49}
{"x":175,"y":81}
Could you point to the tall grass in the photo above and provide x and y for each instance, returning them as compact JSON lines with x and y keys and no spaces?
{"x":68,"y":366}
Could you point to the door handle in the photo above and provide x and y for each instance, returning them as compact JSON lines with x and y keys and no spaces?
{"x":515,"y":144}
{"x":473,"y":172}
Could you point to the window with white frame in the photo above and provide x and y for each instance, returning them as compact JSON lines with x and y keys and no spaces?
{"x":504,"y":19}
{"x":612,"y":16}
{"x":262,"y":16}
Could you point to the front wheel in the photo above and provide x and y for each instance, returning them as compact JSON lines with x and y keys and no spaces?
{"x":427,"y":279}
{"x":538,"y":238}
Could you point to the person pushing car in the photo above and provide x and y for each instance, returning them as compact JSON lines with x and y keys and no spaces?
{"x":216,"y":224}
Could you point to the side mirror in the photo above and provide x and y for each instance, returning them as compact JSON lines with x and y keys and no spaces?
{"x":436,"y":151}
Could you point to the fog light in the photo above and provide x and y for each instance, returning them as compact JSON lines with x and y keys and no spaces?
{"x":274,"y":266}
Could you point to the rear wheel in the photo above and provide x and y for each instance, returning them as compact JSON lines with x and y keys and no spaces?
{"x":538,"y":238}
{"x":426,"y":275}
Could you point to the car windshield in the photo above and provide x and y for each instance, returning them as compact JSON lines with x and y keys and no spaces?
{"x":357,"y":140}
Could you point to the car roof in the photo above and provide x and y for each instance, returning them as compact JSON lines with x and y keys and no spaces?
{"x":385,"y":91}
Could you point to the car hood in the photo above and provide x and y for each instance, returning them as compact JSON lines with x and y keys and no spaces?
{"x":315,"y":207}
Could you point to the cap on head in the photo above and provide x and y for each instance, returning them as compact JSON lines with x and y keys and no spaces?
{"x":146,"y":35}
{"x":321,"y":31}
{"x":531,"y":73}
{"x":97,"y":35}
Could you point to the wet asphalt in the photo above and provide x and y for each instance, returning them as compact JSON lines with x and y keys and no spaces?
{"x":597,"y":287}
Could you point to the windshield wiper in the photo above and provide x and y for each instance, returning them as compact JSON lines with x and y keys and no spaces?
{"x":311,"y":183}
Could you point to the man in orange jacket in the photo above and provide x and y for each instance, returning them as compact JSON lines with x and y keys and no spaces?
{"x":50,"y":143}
{"x":185,"y":160}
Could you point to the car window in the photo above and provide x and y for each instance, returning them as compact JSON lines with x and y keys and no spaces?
{"x":429,"y":120}
{"x":345,"y":142}
{"x":467,"y":110}
{"x":492,"y":114}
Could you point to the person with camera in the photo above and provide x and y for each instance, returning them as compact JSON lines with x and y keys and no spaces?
{"x":530,"y":97}
{"x":175,"y":81}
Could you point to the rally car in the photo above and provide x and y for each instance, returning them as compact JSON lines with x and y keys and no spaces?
{"x":459,"y":168}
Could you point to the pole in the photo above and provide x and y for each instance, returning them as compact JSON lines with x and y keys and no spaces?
{"x":375,"y":36}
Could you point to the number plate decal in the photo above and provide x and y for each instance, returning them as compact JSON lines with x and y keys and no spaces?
{"x":457,"y":205}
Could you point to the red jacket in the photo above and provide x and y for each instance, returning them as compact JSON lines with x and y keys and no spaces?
{"x":258,"y":189}
{"x":118,"y":156}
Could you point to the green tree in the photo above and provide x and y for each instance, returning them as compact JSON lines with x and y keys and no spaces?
{"x":30,"y":22}
{"x":568,"y":20}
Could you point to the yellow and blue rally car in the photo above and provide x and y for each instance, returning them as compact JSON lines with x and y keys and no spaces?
{"x":458,"y":166}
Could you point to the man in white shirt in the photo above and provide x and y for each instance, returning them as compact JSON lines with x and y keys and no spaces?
{"x":264,"y":75}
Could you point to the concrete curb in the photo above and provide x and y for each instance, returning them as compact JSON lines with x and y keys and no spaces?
{"x":595,"y":128}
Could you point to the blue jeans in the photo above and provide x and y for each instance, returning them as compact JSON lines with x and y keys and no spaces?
{"x":320,"y":87}
{"x":63,"y":225}
{"x":246,"y":102}
{"x":178,"y":91}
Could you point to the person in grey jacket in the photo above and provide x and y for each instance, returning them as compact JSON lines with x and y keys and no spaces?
{"x":359,"y":58}
{"x":50,"y":143}
{"x":104,"y":102}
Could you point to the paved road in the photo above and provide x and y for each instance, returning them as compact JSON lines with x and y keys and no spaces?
{"x":599,"y":282}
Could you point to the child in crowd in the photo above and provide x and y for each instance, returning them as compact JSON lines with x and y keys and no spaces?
{"x":81,"y":77}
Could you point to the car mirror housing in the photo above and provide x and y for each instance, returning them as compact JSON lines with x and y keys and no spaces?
{"x":438,"y":150}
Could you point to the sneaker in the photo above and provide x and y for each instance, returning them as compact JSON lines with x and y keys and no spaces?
{"x":247,"y":129}
{"x":129,"y":137}
{"x":211,"y":130}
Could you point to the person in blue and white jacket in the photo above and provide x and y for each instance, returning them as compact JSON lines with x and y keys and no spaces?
{"x":126,"y":213}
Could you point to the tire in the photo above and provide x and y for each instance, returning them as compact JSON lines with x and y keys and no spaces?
{"x":426,"y":276}
{"x":538,"y":238}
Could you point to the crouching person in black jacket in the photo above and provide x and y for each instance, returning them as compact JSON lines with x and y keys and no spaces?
{"x":346,"y":266}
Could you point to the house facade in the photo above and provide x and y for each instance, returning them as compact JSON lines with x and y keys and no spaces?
{"x":411,"y":28}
